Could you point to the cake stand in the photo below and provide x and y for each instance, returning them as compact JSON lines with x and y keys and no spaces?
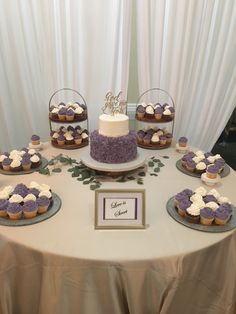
{"x":112,"y":168}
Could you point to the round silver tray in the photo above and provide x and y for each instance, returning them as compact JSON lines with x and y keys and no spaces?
{"x":43,"y":164}
{"x":100,"y":166}
{"x":224,"y":173}
{"x":212,"y":228}
{"x":52,"y":210}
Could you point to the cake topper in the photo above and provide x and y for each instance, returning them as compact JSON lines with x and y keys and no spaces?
{"x":113,"y":104}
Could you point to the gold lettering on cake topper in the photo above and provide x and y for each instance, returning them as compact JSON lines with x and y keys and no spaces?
{"x":113,"y":104}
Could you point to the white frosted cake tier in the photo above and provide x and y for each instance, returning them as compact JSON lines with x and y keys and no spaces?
{"x":114,"y":126}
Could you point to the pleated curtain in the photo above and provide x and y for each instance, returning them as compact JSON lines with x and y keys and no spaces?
{"x":188,"y":48}
{"x":47,"y":45}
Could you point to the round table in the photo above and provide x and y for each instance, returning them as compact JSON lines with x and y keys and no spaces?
{"x":64,"y":265}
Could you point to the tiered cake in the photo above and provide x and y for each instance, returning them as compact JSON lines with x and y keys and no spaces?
{"x":113,"y":143}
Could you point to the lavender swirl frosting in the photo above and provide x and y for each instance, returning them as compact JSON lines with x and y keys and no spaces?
{"x":14,"y":208}
{"x":43,"y":201}
{"x":222,"y":213}
{"x":30,"y":206}
{"x":4,"y":204}
{"x":21,"y":189}
{"x":113,"y":150}
{"x":207,"y":213}
{"x":35,"y":137}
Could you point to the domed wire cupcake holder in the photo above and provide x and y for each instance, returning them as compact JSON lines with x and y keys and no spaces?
{"x":66,"y":95}
{"x":154,"y":96}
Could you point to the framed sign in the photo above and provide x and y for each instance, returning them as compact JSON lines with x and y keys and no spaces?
{"x":119,"y":209}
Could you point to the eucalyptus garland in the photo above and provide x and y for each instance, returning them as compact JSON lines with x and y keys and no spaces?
{"x":94,"y":178}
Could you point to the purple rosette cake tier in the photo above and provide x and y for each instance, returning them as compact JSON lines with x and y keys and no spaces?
{"x":113,"y":150}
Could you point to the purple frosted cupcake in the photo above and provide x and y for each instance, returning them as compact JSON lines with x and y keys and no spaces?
{"x":26,"y":163}
{"x":14,"y":211}
{"x":180,"y":197}
{"x":190,"y":165}
{"x":147,"y":139}
{"x":3,"y":207}
{"x":209,"y":198}
{"x":71,"y":129}
{"x":220,"y":164}
{"x":61,"y":140}
{"x":35,"y":139}
{"x":34,"y":191}
{"x":182,"y":206}
{"x":227,"y":207}
{"x":6,"y":164}
{"x":207,"y":216}
{"x":188,"y":192}
{"x":140,"y":135}
{"x":30,"y":209}
{"x":70,"y":114}
{"x":212,"y":171}
{"x":162,"y":139}
{"x":62,"y":114}
{"x":158,"y":113}
{"x":21,"y":189}
{"x":140,"y":112}
{"x":221,"y":216}
{"x":182,"y":141}
{"x":77,"y":138}
{"x":43,"y":203}
{"x":168,"y":138}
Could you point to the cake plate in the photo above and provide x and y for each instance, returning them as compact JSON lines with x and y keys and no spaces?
{"x":43,"y":164}
{"x":113,"y":168}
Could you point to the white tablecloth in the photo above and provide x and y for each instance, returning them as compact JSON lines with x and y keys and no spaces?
{"x":63,"y":265}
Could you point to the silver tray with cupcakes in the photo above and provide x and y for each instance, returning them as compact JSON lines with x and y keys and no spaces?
{"x":155,"y":106}
{"x":22,"y":161}
{"x":196,"y":163}
{"x":67,"y":106}
{"x":23,"y":205}
{"x":202,"y":210}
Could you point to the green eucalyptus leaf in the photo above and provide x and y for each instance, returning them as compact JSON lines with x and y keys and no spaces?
{"x":140,"y":182}
{"x":131,"y":178}
{"x":86,"y":181}
{"x":160,"y":164}
{"x":154,"y":174}
{"x":56,"y":170}
{"x":94,"y":186}
{"x":166,"y":157}
{"x":156,"y":169}
{"x":44,"y":171}
{"x":142,"y":174}
{"x":70,"y":169}
{"x":80,"y":179}
{"x":150,"y":163}
{"x":63,"y":159}
{"x":51,"y":162}
{"x":156,"y":160}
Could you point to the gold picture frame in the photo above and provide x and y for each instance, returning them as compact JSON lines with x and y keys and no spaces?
{"x":119,"y":209}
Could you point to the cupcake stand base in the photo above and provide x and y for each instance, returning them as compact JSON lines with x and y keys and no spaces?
{"x":67,"y":146}
{"x":180,"y":149}
{"x":113,"y":168}
{"x":209,"y":181}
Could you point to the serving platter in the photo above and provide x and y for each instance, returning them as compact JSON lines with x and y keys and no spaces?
{"x":43,"y":164}
{"x":172,"y":211}
{"x":52,"y":210}
{"x":180,"y":167}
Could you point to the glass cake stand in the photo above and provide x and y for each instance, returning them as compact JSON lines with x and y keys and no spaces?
{"x":112,"y":168}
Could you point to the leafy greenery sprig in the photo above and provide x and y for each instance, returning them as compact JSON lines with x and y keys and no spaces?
{"x":94,"y":178}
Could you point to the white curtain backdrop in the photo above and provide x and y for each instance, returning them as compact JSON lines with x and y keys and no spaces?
{"x":188,"y":48}
{"x":50,"y":44}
